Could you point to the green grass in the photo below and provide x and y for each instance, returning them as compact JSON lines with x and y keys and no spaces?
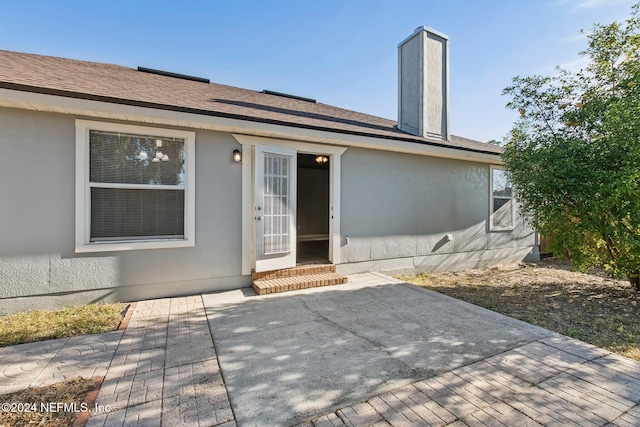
{"x":38,"y":325}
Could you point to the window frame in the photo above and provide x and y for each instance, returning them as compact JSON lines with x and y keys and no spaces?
{"x":83,"y":241}
{"x":491,"y":213}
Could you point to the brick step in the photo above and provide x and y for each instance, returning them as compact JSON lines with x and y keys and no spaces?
{"x":301,"y":270}
{"x":283,"y":284}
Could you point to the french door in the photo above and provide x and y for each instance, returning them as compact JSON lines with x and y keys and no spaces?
{"x":275,"y":172}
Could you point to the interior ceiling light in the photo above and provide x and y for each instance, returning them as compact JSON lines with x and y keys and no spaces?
{"x":322,"y":159}
{"x":159,"y":155}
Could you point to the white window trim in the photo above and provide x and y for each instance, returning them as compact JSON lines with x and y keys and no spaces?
{"x":513,"y":205}
{"x":83,"y":189}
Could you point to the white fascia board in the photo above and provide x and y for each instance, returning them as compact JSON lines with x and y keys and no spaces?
{"x":111,"y":111}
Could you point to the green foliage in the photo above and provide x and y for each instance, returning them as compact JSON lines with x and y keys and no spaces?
{"x":574,"y":153}
{"x":496,"y":142}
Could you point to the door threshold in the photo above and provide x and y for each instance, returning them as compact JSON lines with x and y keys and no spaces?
{"x":314,"y":262}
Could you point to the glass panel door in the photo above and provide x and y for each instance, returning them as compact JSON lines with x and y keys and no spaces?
{"x":276,"y":202}
{"x":275,"y":208}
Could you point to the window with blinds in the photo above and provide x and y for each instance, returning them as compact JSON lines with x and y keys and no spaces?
{"x":134,"y":187}
{"x":137,"y":186}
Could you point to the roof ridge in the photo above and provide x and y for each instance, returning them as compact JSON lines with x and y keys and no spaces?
{"x":62,"y":58}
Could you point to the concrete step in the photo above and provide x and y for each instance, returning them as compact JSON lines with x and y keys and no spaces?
{"x":300,"y":270}
{"x":283,"y":284}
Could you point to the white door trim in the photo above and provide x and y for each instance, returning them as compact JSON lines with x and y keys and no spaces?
{"x":248,"y":227}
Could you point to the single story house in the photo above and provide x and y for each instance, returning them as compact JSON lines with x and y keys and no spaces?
{"x":126,"y":184}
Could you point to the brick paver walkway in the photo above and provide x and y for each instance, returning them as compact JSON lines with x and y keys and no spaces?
{"x":47,"y":362}
{"x":165,"y":370}
{"x":552,"y":382}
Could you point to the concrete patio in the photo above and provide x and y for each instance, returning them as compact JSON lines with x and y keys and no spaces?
{"x":372,"y":352}
{"x":359,"y":353}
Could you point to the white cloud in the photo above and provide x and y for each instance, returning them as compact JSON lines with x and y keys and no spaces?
{"x":576,"y":64}
{"x":473,"y":96}
{"x":576,"y":5}
{"x":573,"y":65}
{"x":593,"y":4}
{"x":574,"y":38}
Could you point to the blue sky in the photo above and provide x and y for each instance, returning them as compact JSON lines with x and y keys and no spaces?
{"x":342,"y":53}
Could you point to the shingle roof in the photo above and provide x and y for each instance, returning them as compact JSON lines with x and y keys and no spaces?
{"x":124,"y":85}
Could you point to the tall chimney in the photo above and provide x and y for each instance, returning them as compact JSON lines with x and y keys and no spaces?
{"x":423,"y":84}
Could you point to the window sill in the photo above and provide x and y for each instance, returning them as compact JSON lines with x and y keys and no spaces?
{"x":133,"y":246}
{"x":511,"y":228}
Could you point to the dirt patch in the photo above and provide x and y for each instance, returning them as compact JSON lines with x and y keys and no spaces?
{"x":57,"y":405}
{"x":590,"y":307}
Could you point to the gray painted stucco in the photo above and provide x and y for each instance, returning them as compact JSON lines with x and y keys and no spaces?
{"x":398,"y":220}
{"x":395,"y":208}
{"x":38,"y":263}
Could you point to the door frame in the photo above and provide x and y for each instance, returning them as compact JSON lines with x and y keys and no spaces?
{"x":249,"y":144}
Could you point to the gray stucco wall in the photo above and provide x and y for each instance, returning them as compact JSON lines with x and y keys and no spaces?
{"x":38,"y":264}
{"x":398,"y":208}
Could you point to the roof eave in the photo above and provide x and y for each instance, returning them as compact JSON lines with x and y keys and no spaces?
{"x":45,"y":99}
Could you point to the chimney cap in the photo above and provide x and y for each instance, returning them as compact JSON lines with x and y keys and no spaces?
{"x":426,"y":28}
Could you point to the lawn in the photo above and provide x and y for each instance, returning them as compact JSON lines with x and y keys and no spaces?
{"x":29,"y":407}
{"x":38,"y":325}
{"x":589,"y":307}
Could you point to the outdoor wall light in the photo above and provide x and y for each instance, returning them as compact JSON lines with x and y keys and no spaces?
{"x":237,"y":156}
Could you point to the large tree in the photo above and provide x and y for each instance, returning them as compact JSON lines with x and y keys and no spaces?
{"x":574,"y":153}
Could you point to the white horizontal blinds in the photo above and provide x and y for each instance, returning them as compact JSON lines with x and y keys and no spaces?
{"x":129,"y":214}
{"x":129,"y":159}
{"x":502,"y":193}
{"x":137,"y":186}
{"x":277,"y":209}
